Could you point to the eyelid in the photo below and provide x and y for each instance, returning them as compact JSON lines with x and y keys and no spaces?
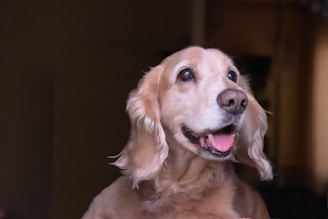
{"x":233,"y":68}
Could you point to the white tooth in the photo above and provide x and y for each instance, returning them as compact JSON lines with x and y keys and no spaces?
{"x":208,"y":141}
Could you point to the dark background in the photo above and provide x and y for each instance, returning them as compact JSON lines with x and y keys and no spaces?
{"x":66,"y":68}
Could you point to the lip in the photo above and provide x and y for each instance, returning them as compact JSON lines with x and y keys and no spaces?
{"x":217,"y":153}
{"x":194,"y":138}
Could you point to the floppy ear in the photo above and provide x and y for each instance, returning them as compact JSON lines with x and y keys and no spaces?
{"x":146,"y":149}
{"x":250,"y":143}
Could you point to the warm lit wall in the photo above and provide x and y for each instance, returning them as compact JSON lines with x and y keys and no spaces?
{"x":320,"y":109}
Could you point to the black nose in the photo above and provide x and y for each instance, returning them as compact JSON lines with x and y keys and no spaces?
{"x":233,"y":101}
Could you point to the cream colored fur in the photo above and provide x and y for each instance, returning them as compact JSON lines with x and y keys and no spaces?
{"x":165,"y":175}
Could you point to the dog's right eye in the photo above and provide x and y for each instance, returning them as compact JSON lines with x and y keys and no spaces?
{"x":186,"y":74}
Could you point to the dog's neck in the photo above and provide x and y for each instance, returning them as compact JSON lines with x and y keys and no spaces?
{"x":187,"y":173}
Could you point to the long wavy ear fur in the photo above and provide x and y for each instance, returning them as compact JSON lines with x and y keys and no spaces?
{"x":146,"y":148}
{"x":250,"y":145}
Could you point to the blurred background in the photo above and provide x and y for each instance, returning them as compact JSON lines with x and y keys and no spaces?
{"x":66,"y":68}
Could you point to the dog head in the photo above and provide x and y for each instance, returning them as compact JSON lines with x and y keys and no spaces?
{"x":197,"y":99}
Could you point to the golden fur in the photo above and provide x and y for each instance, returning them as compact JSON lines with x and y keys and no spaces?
{"x":165,"y":175}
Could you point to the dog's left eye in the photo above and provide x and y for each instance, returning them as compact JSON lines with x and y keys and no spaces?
{"x":232,"y":76}
{"x":186,"y":74}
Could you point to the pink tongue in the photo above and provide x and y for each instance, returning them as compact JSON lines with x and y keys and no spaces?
{"x":221,"y":142}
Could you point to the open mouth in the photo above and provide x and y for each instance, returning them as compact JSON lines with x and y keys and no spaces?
{"x":218,"y":142}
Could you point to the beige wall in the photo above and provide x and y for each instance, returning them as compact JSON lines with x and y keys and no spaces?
{"x":320,"y":109}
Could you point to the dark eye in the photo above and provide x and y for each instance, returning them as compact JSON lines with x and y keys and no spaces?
{"x":186,"y":74}
{"x":232,"y":76}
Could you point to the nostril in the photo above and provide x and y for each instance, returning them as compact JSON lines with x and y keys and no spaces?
{"x":244,"y":102}
{"x":231,"y":102}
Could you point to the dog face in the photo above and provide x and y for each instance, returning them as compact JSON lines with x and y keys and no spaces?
{"x":195,"y":99}
{"x":202,"y":101}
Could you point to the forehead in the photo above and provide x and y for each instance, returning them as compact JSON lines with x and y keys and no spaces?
{"x":198,"y":57}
